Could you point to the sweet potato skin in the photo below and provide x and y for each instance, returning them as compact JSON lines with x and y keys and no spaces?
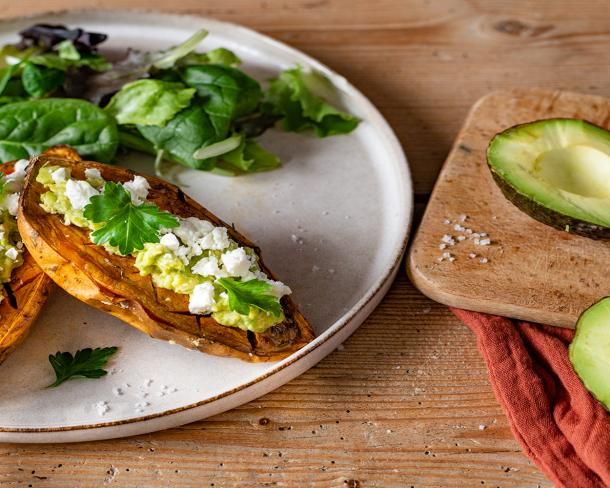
{"x":111,"y":282}
{"x":29,"y":286}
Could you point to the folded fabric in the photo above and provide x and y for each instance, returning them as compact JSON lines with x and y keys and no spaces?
{"x":559,"y":424}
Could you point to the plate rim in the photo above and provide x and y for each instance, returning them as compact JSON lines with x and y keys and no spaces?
{"x":371,"y":295}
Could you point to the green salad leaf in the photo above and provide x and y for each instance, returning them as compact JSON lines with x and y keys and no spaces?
{"x":249,"y":157}
{"x":255,"y":293}
{"x":67,"y":50}
{"x":28,"y":128}
{"x":227,"y":93}
{"x":190,"y":130}
{"x":149,"y":102}
{"x":86,"y":363}
{"x":126,"y":226}
{"x":39,"y":81}
{"x":291,"y":97}
{"x":219,"y":55}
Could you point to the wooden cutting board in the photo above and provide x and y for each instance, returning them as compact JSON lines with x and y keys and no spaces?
{"x":528,"y":271}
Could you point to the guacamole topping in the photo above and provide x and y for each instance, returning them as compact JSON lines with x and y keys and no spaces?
{"x":11,"y":247}
{"x":189,"y":259}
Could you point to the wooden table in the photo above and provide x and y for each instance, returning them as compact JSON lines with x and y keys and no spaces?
{"x":406,"y":401}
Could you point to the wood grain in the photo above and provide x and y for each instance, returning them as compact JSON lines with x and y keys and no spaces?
{"x":423,"y":64}
{"x":533,"y":272}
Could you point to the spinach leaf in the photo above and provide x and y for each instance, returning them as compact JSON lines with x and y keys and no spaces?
{"x":190,"y":130}
{"x":290,"y":96}
{"x":28,"y":128}
{"x":249,"y":157}
{"x":149,"y":102}
{"x":39,"y":81}
{"x":227,"y":93}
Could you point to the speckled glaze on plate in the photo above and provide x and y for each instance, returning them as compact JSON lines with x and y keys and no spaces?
{"x":332,"y":223}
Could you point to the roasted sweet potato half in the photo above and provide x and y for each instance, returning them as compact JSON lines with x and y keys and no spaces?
{"x":111,"y":282}
{"x":26,"y":293}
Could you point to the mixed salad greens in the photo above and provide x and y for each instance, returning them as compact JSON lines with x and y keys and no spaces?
{"x":195,"y":109}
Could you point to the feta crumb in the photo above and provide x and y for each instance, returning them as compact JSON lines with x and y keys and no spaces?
{"x":138,"y":189}
{"x":237,"y":263}
{"x":461,"y":238}
{"x":59,"y":175}
{"x":483,"y":260}
{"x":468,"y":231}
{"x":458,"y":227}
{"x":79,"y":192}
{"x":451,"y":259}
{"x":93,"y":174}
{"x":218,"y":239}
{"x":202,"y":299}
{"x":12,"y":253}
{"x":442,"y":246}
{"x":446,"y":255}
{"x":279,"y":289}
{"x":485,"y":242}
{"x":12,"y":203}
{"x":472,"y":255}
{"x":208,"y":266}
{"x":482,"y":427}
{"x":170,"y":241}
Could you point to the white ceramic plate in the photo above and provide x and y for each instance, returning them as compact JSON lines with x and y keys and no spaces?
{"x":332,"y":223}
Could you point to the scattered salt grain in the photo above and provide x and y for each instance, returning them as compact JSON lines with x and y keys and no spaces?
{"x":117,"y":391}
{"x":461,"y":238}
{"x":148,"y":382}
{"x":102,"y":407}
{"x":485,"y":242}
{"x":331,"y":271}
{"x":315,"y":268}
{"x":483,"y":260}
{"x":463,"y":218}
{"x":458,"y":228}
{"x":472,"y":255}
{"x":446,"y":221}
{"x":482,"y":427}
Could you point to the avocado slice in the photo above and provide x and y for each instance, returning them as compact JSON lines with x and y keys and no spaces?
{"x":590,"y":350}
{"x":558,"y":172}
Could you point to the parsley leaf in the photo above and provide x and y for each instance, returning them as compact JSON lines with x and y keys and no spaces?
{"x":125,"y":225}
{"x":256,"y":293}
{"x":86,"y":363}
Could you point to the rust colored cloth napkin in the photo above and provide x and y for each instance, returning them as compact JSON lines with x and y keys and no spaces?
{"x":560,"y":426}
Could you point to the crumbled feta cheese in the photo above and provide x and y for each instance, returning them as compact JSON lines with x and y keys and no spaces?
{"x":485,"y":242}
{"x":218,"y":239}
{"x":279,"y":289}
{"x":483,"y":260}
{"x":170,"y":241}
{"x":11,"y":201}
{"x":19,"y":170}
{"x":79,"y":192}
{"x":237,"y":263}
{"x":458,"y":227}
{"x":93,"y":174}
{"x":208,"y":267}
{"x":12,"y":253}
{"x":446,"y":255}
{"x":461,"y":238}
{"x":138,"y":189}
{"x":442,"y":246}
{"x":202,"y":299}
{"x":472,"y":255}
{"x":59,"y":175}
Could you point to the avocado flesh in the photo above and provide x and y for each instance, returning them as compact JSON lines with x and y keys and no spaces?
{"x":590,"y":350}
{"x":558,"y":172}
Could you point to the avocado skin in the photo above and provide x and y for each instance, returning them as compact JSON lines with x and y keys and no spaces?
{"x":550,"y":217}
{"x":539,"y":212}
{"x":574,"y":360}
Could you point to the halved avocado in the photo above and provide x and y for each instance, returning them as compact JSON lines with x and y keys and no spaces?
{"x":558,"y":172}
{"x":590,"y":350}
